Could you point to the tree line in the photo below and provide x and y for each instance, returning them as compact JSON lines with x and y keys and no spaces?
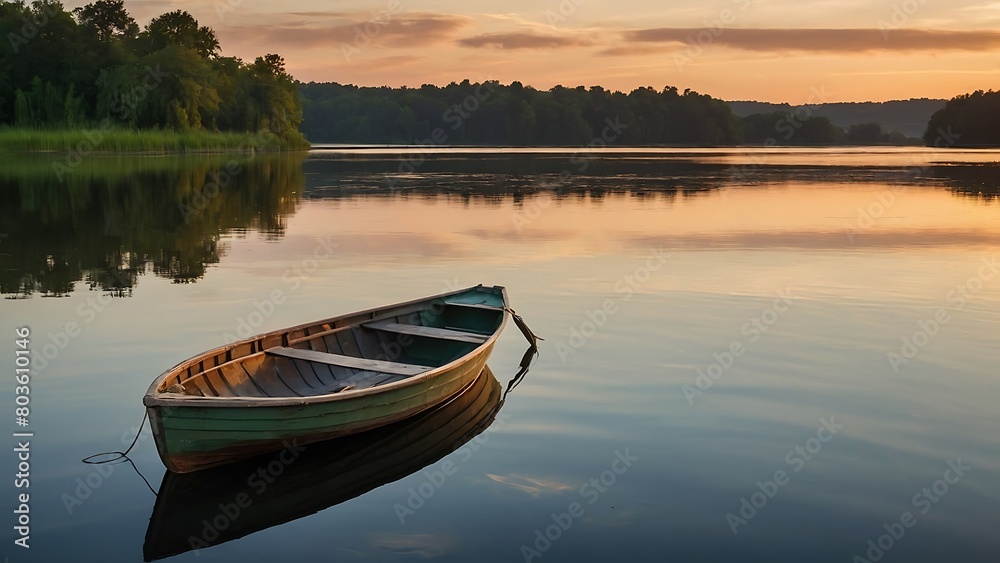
{"x":491,"y":113}
{"x":94,"y":65}
{"x":495,"y":114}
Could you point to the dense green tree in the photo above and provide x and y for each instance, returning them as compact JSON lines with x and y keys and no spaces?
{"x":179,"y":28}
{"x":38,"y":40}
{"x":272,"y":97}
{"x":967,"y":120}
{"x":108,"y":20}
{"x":45,"y":104}
{"x":95,"y":67}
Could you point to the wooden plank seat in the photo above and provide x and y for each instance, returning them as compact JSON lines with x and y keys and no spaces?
{"x":364,"y":364}
{"x":473,"y":306}
{"x":428,"y":332}
{"x":360,"y":380}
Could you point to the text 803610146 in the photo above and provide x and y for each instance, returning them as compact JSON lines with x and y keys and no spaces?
{"x":22,"y":367}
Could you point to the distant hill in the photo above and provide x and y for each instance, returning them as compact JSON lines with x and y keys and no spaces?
{"x":909,"y":117}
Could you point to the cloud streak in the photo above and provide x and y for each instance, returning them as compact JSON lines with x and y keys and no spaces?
{"x":523,"y":40}
{"x":531,"y":485}
{"x":412,"y":30}
{"x":818,"y":40}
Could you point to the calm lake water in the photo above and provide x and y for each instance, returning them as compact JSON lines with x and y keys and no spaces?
{"x":749,"y":355}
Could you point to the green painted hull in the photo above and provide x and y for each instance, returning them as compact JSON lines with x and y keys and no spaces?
{"x":195,"y":438}
{"x":196,"y":434}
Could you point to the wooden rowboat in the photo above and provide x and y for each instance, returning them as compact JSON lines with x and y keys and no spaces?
{"x":197,"y":511}
{"x":323,"y":379}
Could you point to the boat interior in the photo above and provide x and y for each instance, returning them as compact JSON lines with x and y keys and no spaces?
{"x":355,"y":352}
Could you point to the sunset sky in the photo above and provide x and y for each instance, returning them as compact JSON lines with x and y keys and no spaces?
{"x":768,"y":50}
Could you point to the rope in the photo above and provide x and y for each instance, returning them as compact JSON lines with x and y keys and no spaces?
{"x":523,"y":326}
{"x":139,"y":473}
{"x":529,"y":356}
{"x":122,"y":457}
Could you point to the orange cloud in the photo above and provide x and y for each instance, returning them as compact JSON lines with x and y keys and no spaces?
{"x":523,"y":40}
{"x":414,"y":30}
{"x":633,"y":50}
{"x":818,"y":40}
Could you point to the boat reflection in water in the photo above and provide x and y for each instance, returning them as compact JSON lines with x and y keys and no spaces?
{"x":302,"y":480}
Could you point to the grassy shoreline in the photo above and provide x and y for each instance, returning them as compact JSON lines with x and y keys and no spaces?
{"x":108,"y":141}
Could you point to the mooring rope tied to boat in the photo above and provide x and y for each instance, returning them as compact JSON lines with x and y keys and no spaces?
{"x":122,"y":457}
{"x":89,"y":458}
{"x":525,"y":365}
{"x":524,"y":328}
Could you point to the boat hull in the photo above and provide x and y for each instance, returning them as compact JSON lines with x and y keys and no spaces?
{"x":192,"y":438}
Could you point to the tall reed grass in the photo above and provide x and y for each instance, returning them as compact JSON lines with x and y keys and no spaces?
{"x":97,"y":140}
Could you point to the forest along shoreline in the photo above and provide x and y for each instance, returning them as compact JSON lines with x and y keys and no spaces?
{"x":90,"y":80}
